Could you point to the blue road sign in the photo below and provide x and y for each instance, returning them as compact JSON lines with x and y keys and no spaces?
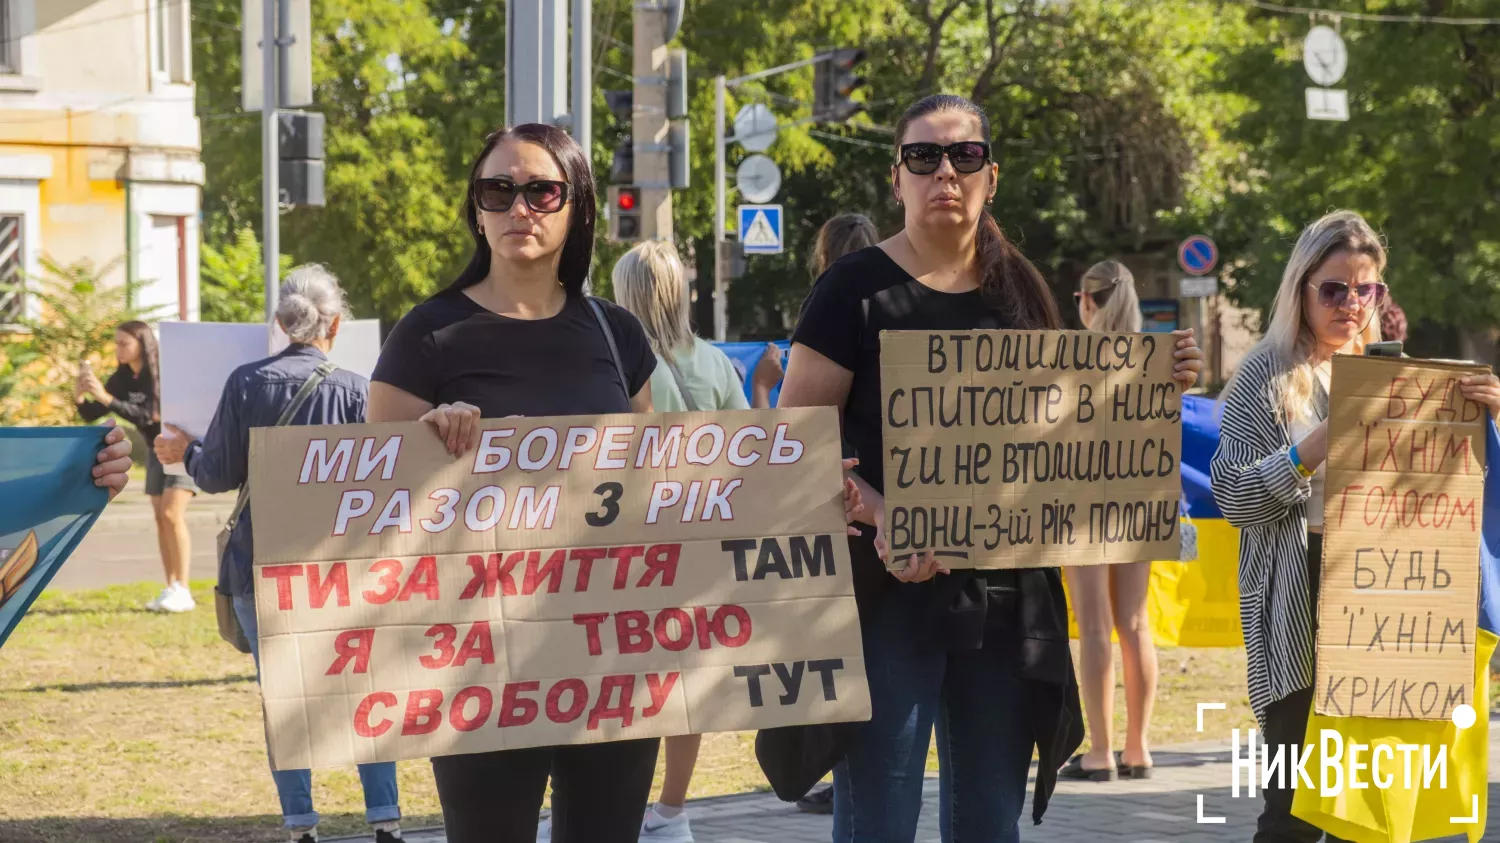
{"x":1198,"y":255}
{"x":761,"y":229}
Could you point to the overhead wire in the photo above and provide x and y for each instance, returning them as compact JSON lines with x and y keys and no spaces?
{"x":1371,"y":17}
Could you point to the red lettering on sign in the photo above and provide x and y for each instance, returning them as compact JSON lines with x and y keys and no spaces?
{"x":622,"y":557}
{"x":352,"y":645}
{"x":390,"y":582}
{"x":477,"y":645}
{"x":423,"y":581}
{"x":423,"y":712}
{"x":660,"y":691}
{"x":580,"y":700}
{"x":318,"y":589}
{"x":592,"y":620}
{"x":362,"y":725}
{"x":282,"y":574}
{"x":661,"y":559}
{"x":456,"y":716}
{"x":516,"y":710}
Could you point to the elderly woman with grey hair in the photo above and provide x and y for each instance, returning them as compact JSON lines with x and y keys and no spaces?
{"x":297,"y":386}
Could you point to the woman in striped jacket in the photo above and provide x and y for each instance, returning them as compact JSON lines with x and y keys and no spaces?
{"x":1268,"y":472}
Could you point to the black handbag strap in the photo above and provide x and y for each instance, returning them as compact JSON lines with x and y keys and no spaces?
{"x":614,"y":350}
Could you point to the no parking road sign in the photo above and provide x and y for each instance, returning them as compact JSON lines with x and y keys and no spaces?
{"x":1198,"y":255}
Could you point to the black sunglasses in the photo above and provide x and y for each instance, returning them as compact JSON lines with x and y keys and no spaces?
{"x":923,"y":159}
{"x":1333,"y":294}
{"x":543,"y":196}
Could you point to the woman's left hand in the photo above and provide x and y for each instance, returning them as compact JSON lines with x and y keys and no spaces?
{"x":854,"y":503}
{"x":171,"y":445}
{"x":1483,"y":389}
{"x":113,"y":470}
{"x":1189,"y":359}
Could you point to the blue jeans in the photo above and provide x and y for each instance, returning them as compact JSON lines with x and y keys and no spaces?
{"x":294,"y":787}
{"x":984,"y":739}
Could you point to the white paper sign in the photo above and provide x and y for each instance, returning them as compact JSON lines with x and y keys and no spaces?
{"x":197,"y":358}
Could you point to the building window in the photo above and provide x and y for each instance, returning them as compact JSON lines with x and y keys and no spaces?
{"x":170,"y":58}
{"x":12,"y":270}
{"x":10,"y":38}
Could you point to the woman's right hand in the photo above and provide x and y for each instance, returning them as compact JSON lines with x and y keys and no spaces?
{"x":768,"y":370}
{"x":457,"y":424}
{"x":919,"y":568}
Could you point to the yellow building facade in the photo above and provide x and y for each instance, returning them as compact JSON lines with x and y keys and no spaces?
{"x":99,"y":147}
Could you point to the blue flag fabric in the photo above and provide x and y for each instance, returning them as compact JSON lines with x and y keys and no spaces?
{"x":1489,"y":538}
{"x":48,"y":502}
{"x":744,"y":356}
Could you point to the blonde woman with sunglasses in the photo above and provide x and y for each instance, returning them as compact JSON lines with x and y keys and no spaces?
{"x":1268,"y":473}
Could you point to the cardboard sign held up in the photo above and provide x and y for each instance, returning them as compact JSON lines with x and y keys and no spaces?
{"x":1402,"y":508}
{"x":1022,"y":449}
{"x":572,"y":580}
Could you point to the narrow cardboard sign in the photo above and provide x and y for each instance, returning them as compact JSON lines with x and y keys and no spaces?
{"x":1021,"y":449}
{"x":574,"y":579}
{"x":1402,"y":510}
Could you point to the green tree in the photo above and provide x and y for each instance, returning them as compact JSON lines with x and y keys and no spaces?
{"x":1417,"y":156}
{"x":76,"y":319}
{"x":390,"y":225}
{"x":234,"y":286}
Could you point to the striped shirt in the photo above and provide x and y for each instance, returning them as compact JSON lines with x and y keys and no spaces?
{"x":1260,"y":491}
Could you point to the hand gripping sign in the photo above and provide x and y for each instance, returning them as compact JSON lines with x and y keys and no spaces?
{"x":573,"y":579}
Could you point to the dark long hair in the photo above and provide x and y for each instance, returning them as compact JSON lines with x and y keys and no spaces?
{"x":150,"y":357}
{"x":840,"y":236}
{"x":578,"y":248}
{"x":1010,"y":283}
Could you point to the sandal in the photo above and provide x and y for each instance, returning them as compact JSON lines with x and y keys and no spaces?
{"x":1130,"y":771}
{"x":1074,"y":769}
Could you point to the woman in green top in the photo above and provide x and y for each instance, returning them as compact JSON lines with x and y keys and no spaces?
{"x":692,"y":374}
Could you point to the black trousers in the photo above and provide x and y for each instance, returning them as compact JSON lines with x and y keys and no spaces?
{"x":1286,"y":724}
{"x":599,"y":792}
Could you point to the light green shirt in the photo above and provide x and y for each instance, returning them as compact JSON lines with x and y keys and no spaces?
{"x":709,"y":375}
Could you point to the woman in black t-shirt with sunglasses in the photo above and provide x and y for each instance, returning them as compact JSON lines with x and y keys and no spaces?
{"x":516,"y":336}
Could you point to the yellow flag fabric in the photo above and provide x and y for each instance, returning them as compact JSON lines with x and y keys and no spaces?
{"x":1195,"y":604}
{"x":1399,"y":814}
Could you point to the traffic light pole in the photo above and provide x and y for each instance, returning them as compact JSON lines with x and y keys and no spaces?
{"x":270,"y":155}
{"x":721,"y":143}
{"x":649,"y":122}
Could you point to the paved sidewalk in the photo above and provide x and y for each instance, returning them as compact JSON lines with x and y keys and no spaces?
{"x":121,"y":548}
{"x":1162,"y":809}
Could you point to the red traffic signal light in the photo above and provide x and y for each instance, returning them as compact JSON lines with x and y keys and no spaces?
{"x":626,"y":200}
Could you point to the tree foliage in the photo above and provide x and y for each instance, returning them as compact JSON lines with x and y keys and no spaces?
{"x":234,"y":286}
{"x":1417,"y":156}
{"x":1119,"y":126}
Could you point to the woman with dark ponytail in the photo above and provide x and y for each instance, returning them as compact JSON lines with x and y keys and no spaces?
{"x":929,"y":664}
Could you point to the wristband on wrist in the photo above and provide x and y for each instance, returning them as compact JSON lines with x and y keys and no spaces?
{"x":1297,"y":463}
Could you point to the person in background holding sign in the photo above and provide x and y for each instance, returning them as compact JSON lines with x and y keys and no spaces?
{"x":133,"y":392}
{"x":930,"y":660}
{"x":1267,"y":473}
{"x":515,"y":335}
{"x":1112,"y":597}
{"x":309,"y":310}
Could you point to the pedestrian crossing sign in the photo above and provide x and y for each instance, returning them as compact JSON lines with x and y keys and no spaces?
{"x":761,"y":229}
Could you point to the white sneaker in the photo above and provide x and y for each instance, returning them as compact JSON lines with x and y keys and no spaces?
{"x":176,"y":599}
{"x":544,"y":830}
{"x":658,"y":829}
{"x":154,"y":604}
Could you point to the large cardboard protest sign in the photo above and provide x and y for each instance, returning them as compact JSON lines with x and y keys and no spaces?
{"x":1402,"y":508}
{"x":1017,"y":449}
{"x":572,"y":580}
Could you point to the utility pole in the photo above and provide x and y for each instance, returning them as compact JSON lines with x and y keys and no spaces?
{"x":583,"y":77}
{"x":649,"y":124}
{"x":270,"y":154}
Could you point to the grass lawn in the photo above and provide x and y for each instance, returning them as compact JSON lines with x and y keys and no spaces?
{"x":117,"y":724}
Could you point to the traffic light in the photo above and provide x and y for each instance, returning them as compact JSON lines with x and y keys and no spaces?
{"x":301,"y":164}
{"x":622,"y":168}
{"x":834,"y":82}
{"x":624,"y":214}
